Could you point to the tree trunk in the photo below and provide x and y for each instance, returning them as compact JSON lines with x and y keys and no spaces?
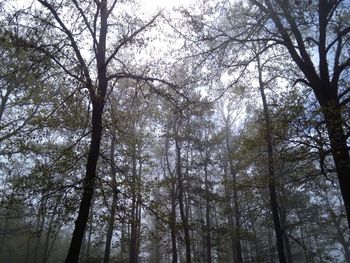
{"x":114,"y":203}
{"x":173,"y":223}
{"x":229,"y":209}
{"x":271,"y":172}
{"x":122,"y":242}
{"x":49,"y":234}
{"x":237,"y":215}
{"x":324,"y":83}
{"x":183,"y":215}
{"x":283,"y":213}
{"x":207,"y":212}
{"x":233,"y":226}
{"x":334,"y":122}
{"x":96,"y":134}
{"x":173,"y":193}
{"x":88,"y":243}
{"x":135,"y":214}
{"x":89,"y":184}
{"x":41,"y":219}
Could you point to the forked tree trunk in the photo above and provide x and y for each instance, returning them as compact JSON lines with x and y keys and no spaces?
{"x":324,"y":83}
{"x":96,"y":135}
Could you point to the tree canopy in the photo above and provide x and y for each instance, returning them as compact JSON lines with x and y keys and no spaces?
{"x":212,"y":131}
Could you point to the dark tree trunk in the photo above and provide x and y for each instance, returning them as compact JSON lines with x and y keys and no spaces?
{"x":230,"y":222}
{"x":41,"y":219}
{"x":89,"y":184}
{"x":283,"y":213}
{"x":183,"y":214}
{"x":324,"y":83}
{"x":49,"y":233}
{"x":237,"y":215}
{"x":271,"y":173}
{"x":173,"y":193}
{"x":88,"y":241}
{"x":207,"y":213}
{"x":96,"y":134}
{"x":173,"y":223}
{"x":114,"y":203}
{"x":135,"y":210}
{"x":233,"y":226}
{"x":334,"y":122}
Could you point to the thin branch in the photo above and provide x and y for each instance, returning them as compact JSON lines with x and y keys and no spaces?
{"x":130,"y":38}
{"x":73,"y":43}
{"x":92,"y":32}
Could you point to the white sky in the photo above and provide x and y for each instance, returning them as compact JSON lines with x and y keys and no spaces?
{"x":153,"y":5}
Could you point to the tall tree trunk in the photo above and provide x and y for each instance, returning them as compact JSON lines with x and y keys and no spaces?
{"x":173,"y":193}
{"x":283,"y":213}
{"x":172,"y":220}
{"x":326,"y":90}
{"x":135,"y":209}
{"x":207,"y":212}
{"x":96,"y":134}
{"x":40,"y":228}
{"x":139,"y":199}
{"x":184,"y":216}
{"x":324,"y":83}
{"x":229,"y":209}
{"x":122,"y":242}
{"x":89,"y":184}
{"x":88,"y":241}
{"x":237,"y":225}
{"x":173,"y":225}
{"x":111,"y":220}
{"x":49,"y":233}
{"x":237,"y":215}
{"x":133,"y":257}
{"x":271,"y":172}
{"x":338,"y":140}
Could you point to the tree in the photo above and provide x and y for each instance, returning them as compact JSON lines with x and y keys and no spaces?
{"x":316,"y":37}
{"x":94,"y":77}
{"x":303,"y":27}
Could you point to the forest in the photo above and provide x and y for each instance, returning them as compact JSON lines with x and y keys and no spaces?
{"x":204,"y":131}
